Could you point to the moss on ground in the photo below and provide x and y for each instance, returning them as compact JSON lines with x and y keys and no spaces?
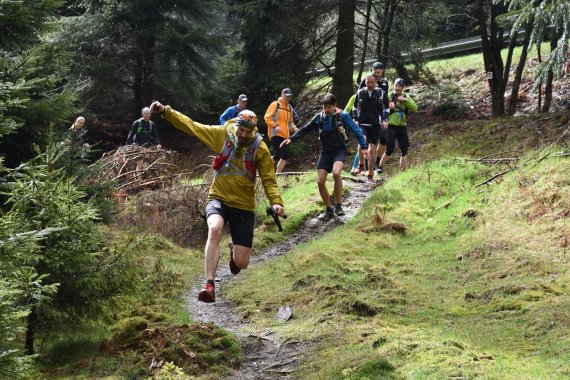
{"x":475,"y":288}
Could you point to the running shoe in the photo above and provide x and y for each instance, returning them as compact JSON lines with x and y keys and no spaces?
{"x":338,"y":210}
{"x":208,"y":293}
{"x":378,"y":170}
{"x":233,"y":267}
{"x":370,"y":179}
{"x":329,"y":213}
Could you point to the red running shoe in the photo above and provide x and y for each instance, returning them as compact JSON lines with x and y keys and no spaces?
{"x":233,"y":267}
{"x":208,"y":293}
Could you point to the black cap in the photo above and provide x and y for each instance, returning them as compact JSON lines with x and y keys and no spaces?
{"x":287,"y":92}
{"x":377,"y":65}
{"x":399,"y":82}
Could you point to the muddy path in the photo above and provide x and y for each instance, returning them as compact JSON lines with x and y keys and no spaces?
{"x":266,"y":356}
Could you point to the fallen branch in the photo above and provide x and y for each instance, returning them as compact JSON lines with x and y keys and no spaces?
{"x":487,"y":181}
{"x":291,"y":173}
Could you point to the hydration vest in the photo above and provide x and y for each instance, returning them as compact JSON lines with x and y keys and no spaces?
{"x":337,"y":122}
{"x":363,"y":99}
{"x":222,"y":163}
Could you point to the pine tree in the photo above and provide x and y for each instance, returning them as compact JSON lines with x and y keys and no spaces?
{"x":132,"y":52}
{"x":33,"y":92}
{"x":75,"y":255}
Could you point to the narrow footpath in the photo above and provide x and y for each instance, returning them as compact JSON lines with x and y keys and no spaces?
{"x":265,"y":355}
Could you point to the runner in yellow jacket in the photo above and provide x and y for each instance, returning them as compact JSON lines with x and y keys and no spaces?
{"x":241,"y":154}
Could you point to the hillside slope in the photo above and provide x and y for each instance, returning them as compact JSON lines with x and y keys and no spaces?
{"x":436,"y":277}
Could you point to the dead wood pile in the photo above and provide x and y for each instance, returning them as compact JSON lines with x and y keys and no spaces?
{"x":135,"y":168}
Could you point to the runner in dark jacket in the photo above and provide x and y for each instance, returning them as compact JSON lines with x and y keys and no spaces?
{"x":372,"y":104}
{"x":331,"y":123}
{"x":378,"y":71}
{"x":143,"y":131}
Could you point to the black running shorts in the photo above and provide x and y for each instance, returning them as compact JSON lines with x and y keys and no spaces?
{"x":372,"y":133}
{"x":279,"y":153}
{"x":327,"y":159}
{"x":400,"y":134}
{"x":241,"y":221}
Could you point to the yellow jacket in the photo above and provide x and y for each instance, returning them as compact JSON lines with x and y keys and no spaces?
{"x":284,"y":119}
{"x":232,"y":190}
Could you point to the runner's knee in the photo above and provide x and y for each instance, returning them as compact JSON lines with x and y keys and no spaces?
{"x":241,"y":262}
{"x":215,"y":231}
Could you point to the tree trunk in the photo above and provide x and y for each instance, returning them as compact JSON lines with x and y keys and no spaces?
{"x":31,"y":320}
{"x":365,"y":43}
{"x":148,"y":70}
{"x":401,"y":70}
{"x":539,"y":105}
{"x":549,"y":78}
{"x":491,"y":43}
{"x":389,"y":13}
{"x":520,"y":67}
{"x":344,"y":57}
{"x":137,"y":87}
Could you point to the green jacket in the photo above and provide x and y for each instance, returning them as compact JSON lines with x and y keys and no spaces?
{"x":232,"y":190}
{"x":398,"y":115}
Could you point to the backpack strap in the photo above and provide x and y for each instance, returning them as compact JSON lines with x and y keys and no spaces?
{"x":249,"y":158}
{"x":222,"y":163}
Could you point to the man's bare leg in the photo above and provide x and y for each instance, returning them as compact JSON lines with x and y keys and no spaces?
{"x":280,"y":166}
{"x":241,"y":256}
{"x":337,"y":169}
{"x":403,"y":163}
{"x":384,"y":159}
{"x":212,"y":251}
{"x":322,"y":184}
{"x":371,"y":159}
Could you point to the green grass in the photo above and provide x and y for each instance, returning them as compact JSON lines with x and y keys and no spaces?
{"x":474,"y":289}
{"x":450,"y":67}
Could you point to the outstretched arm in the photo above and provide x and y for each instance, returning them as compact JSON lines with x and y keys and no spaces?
{"x":310,"y":126}
{"x":213,"y":136}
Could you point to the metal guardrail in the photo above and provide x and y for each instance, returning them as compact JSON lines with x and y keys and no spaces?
{"x":443,"y":49}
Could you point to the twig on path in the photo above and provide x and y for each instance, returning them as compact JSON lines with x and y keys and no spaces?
{"x":291,"y":173}
{"x":353,"y":179}
{"x":284,"y":371}
{"x":260,"y":337}
{"x":280,"y":364}
{"x":279,"y":348}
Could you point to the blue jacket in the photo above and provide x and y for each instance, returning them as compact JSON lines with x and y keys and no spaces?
{"x":229,"y":114}
{"x":330,"y":137}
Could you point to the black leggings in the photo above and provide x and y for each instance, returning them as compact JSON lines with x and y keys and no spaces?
{"x":400,"y":134}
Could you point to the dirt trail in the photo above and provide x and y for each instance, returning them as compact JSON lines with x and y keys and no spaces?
{"x":266,"y":356}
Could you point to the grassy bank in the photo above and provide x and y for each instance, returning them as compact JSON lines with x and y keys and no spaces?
{"x":434,"y":279}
